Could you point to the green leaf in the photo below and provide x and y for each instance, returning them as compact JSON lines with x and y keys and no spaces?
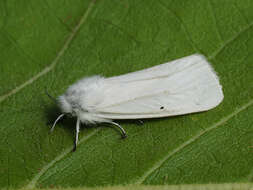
{"x":49,"y":44}
{"x":227,"y":186}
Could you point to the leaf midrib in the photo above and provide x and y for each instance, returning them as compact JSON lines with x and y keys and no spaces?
{"x":58,"y":56}
{"x":160,"y":162}
{"x":34,"y":180}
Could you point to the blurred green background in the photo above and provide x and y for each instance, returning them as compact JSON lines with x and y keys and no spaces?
{"x":49,"y":44}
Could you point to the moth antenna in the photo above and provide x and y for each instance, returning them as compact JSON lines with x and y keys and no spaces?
{"x":58,"y":118}
{"x":51,"y":97}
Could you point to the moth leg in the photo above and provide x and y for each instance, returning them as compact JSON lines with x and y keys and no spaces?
{"x":58,"y":118}
{"x":140,"y":122}
{"x":123,"y":132}
{"x":77,"y":132}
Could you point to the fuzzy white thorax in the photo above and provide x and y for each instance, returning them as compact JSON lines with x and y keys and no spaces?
{"x":81,"y":99}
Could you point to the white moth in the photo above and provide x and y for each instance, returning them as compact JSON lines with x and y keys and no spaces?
{"x":178,"y":87}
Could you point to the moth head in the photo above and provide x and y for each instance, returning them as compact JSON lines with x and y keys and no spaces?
{"x":66,"y":106}
{"x":62,"y":102}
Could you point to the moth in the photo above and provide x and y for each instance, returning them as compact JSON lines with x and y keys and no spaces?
{"x":182,"y":86}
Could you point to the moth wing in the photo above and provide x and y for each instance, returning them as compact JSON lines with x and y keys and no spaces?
{"x":178,"y":87}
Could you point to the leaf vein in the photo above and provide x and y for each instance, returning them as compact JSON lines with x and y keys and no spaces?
{"x":160,"y":162}
{"x":36,"y":178}
{"x":55,"y":61}
{"x":194,"y":46}
{"x":56,"y":17}
{"x":215,"y":21}
{"x":222,"y":47}
{"x":16,"y":45}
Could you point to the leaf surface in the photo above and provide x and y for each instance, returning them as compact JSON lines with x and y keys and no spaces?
{"x":51,"y":44}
